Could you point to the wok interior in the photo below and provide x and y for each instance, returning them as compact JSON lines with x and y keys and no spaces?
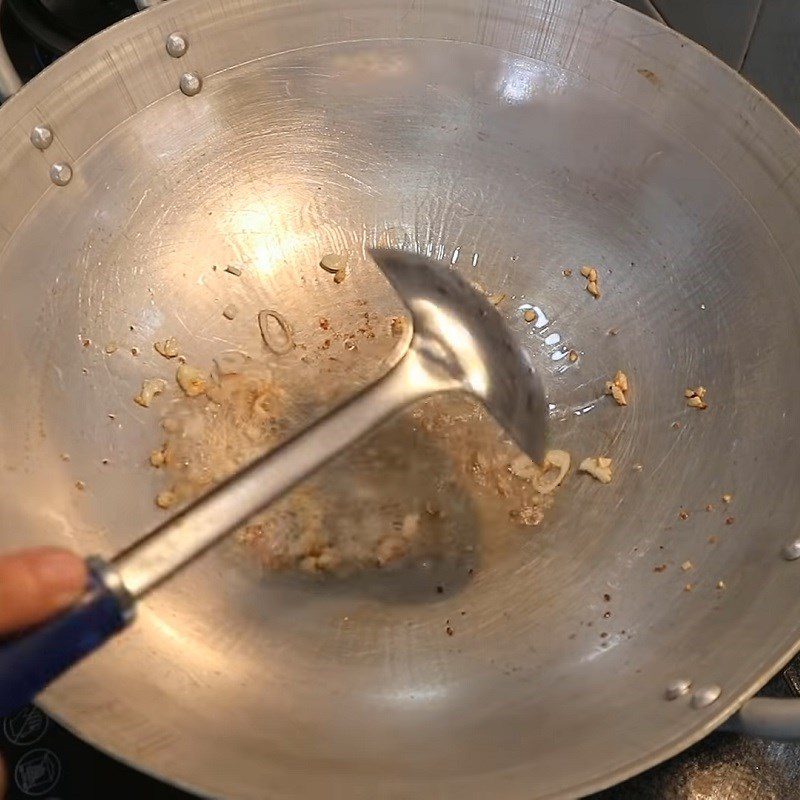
{"x":512,"y":170}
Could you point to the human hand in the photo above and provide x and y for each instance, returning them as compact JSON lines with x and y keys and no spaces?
{"x":36,"y":584}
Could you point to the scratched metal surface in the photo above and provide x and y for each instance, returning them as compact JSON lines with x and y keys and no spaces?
{"x":515,"y":140}
{"x":758,"y":38}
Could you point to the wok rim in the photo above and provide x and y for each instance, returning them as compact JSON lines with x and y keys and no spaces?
{"x":88,"y":52}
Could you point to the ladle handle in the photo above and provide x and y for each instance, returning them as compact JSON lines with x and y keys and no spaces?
{"x":202,"y":524}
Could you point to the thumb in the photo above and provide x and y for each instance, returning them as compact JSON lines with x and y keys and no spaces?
{"x":36,"y":584}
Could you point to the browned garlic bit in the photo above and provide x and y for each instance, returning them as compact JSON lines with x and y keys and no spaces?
{"x":530,"y":315}
{"x":726,"y":498}
{"x":229,"y":312}
{"x":340,"y":276}
{"x":390,"y":549}
{"x":233,"y":270}
{"x":282,"y":343}
{"x":111,"y":347}
{"x":479,"y":287}
{"x":524,"y":467}
{"x":618,"y":388}
{"x":332,"y":262}
{"x":548,"y":477}
{"x":166,"y":499}
{"x":686,"y":566}
{"x":168,"y":348}
{"x":592,"y":281}
{"x":527,"y":515}
{"x":497,"y":298}
{"x":599,"y":468}
{"x":158,"y":457}
{"x":567,"y":273}
{"x":398,"y":325}
{"x":191,"y":380}
{"x":556,"y":465}
{"x":695,"y":398}
{"x":573,"y":356}
{"x":150,"y":388}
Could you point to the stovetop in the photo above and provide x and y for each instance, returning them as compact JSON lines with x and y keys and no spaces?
{"x":760,"y":38}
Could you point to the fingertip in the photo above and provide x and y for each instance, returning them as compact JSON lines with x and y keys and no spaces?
{"x":37,"y":583}
{"x":58,"y":570}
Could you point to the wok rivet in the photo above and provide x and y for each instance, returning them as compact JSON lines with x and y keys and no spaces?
{"x":705,"y":696}
{"x":41,"y":137}
{"x":791,"y":551}
{"x":177,"y":45}
{"x":677,"y":689}
{"x":191,"y":83}
{"x":61,"y":173}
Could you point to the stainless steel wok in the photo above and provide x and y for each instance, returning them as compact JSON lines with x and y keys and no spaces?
{"x":514,"y":140}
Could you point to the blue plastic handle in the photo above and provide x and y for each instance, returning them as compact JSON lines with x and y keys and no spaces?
{"x":31,"y":660}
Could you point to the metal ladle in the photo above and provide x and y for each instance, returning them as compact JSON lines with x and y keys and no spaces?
{"x":459,"y":342}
